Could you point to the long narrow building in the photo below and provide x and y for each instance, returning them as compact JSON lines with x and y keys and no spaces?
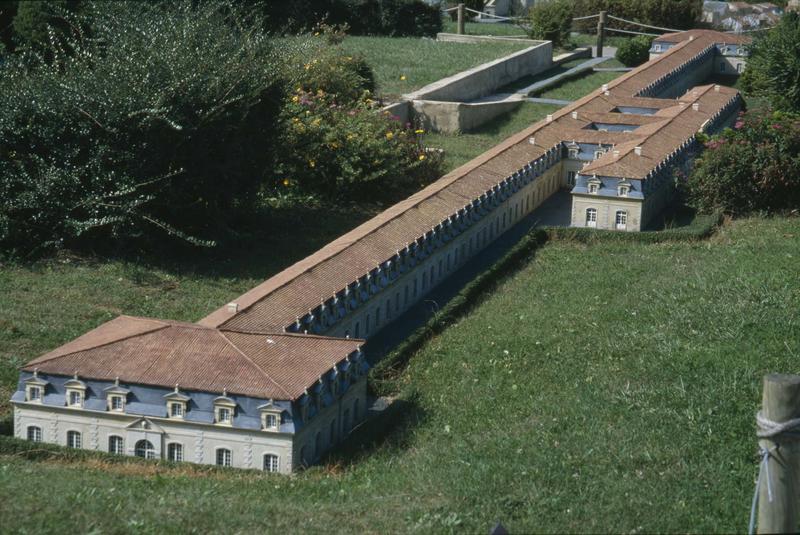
{"x":275,"y":378}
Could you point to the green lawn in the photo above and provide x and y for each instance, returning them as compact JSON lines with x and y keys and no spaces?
{"x":602,"y":388}
{"x":575,"y":88}
{"x":461,"y":148}
{"x":421,"y":61}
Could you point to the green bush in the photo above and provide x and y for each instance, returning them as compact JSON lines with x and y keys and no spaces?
{"x":349,"y":150}
{"x":157,"y":123}
{"x":754,"y":167}
{"x":633,"y":52}
{"x":773,"y":70}
{"x":551,"y":20}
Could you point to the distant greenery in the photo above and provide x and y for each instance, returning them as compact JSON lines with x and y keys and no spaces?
{"x":773,"y":69}
{"x":363,"y":17}
{"x":499,"y":29}
{"x":634,"y":51}
{"x":551,"y":20}
{"x":754,"y":167}
{"x":555,"y":386}
{"x":679,"y":14}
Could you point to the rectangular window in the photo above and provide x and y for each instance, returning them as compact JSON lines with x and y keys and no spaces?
{"x":397,"y":302}
{"x":622,"y":220}
{"x":34,"y":393}
{"x":271,"y":421}
{"x":35,"y":434}
{"x":223,"y":415}
{"x":571,"y":178}
{"x":366,"y":325}
{"x":432,"y":275}
{"x":175,"y":452}
{"x":388,"y":309}
{"x":424,"y":280}
{"x":441,"y":262}
{"x":448,"y":262}
{"x":377,"y":317}
{"x":116,"y":403}
{"x":591,"y":217}
{"x":405,"y":296}
{"x":414,"y":291}
{"x":176,"y":410}
{"x":75,"y":398}
{"x":356,"y":332}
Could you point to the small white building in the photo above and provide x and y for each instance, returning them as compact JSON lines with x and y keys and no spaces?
{"x":183,"y":392}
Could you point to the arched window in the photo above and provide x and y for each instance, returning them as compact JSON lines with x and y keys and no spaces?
{"x":35,"y":433}
{"x":74,"y":439}
{"x":224,"y":457}
{"x":271,"y":463}
{"x":116,"y":445}
{"x":145,"y":449}
{"x":622,"y":220}
{"x":175,"y":452}
{"x":591,"y":217}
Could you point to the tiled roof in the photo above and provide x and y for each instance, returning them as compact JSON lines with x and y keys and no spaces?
{"x":166,"y":353}
{"x":292,"y":293}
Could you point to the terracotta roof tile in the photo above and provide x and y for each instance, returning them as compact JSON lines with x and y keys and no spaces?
{"x":165,"y":353}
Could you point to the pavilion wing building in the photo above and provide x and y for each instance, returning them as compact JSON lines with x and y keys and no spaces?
{"x":275,"y":378}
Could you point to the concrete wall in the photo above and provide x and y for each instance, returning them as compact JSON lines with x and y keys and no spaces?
{"x":451,"y":117}
{"x":484,"y":79}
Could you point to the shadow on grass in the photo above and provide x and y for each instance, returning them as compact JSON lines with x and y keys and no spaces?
{"x":387,"y":429}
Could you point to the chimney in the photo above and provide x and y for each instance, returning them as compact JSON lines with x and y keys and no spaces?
{"x":233,"y":308}
{"x":574,"y":114}
{"x":638,"y":151}
{"x":549,"y":118}
{"x":605,"y":88}
{"x":716,"y":88}
{"x":682,"y":104}
{"x":691,"y":38}
{"x":616,"y":154}
{"x":532,"y":140}
{"x":696,"y":106}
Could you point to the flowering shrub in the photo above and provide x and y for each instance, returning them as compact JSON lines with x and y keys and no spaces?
{"x":754,"y":166}
{"x":348,"y":149}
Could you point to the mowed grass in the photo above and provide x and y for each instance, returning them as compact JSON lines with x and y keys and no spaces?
{"x":461,"y":148}
{"x":421,"y":61}
{"x":575,"y":88}
{"x":603,"y":388}
{"x":499,"y":29}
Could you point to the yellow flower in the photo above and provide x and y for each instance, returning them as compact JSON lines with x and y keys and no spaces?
{"x":295,"y":99}
{"x":403,"y":77}
{"x":316,"y":34}
{"x":389,"y":135}
{"x":307,"y":66}
{"x":420,"y":131}
{"x":320,"y":92}
{"x":286,"y":182}
{"x":312,"y":163}
{"x":350,"y":136}
{"x":316,"y":121}
{"x":421,"y":157}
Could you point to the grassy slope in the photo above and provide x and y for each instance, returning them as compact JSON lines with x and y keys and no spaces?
{"x":602,"y":388}
{"x":421,"y":61}
{"x":574,"y":88}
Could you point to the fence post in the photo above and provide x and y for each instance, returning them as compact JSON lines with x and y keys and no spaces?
{"x":601,"y":31}
{"x":461,"y":19}
{"x":780,"y":403}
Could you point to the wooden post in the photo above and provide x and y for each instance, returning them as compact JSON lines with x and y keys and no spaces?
{"x":780,"y":403}
{"x":601,"y":32}
{"x":461,"y":19}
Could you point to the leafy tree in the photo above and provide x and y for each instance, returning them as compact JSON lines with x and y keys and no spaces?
{"x":753,"y":167}
{"x":773,"y":68}
{"x":678,"y":14}
{"x":551,"y":20}
{"x":33,"y":18}
{"x":634,"y":51}
{"x":8,"y":10}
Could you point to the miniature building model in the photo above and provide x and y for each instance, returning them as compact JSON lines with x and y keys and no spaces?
{"x":276,"y":378}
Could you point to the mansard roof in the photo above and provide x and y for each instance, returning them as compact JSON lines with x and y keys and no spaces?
{"x":165,"y":353}
{"x":292,"y":293}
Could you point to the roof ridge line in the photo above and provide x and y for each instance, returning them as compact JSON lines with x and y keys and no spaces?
{"x":248,"y":359}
